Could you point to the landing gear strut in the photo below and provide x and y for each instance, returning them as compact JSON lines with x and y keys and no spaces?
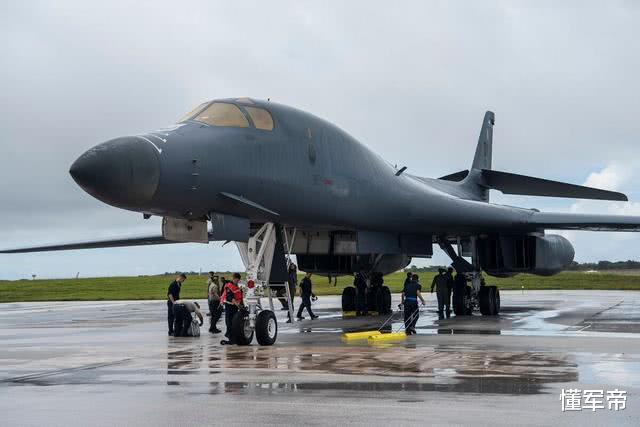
{"x":257,"y":256}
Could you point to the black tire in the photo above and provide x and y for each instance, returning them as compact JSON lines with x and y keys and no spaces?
{"x":496,"y":298}
{"x":266,"y":328}
{"x":459,"y":308}
{"x":489,"y":301}
{"x":385,"y":307}
{"x":349,"y":299}
{"x":486,"y":304}
{"x":241,"y":334}
{"x":468,"y":303}
{"x":372,"y":299}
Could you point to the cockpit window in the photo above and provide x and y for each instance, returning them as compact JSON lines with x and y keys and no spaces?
{"x":192,"y":113}
{"x":261,"y":118}
{"x":222,"y":114}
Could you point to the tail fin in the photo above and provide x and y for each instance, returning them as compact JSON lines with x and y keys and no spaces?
{"x":481,"y":178}
{"x":482,"y":159}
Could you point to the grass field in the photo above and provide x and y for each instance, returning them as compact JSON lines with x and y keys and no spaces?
{"x":155,"y":287}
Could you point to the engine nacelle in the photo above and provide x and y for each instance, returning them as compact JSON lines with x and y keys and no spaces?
{"x":554,"y":253}
{"x":509,"y":255}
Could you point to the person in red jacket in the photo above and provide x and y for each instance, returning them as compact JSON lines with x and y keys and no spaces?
{"x":232,"y":299}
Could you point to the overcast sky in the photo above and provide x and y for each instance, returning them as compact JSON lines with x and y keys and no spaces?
{"x":412,"y":82}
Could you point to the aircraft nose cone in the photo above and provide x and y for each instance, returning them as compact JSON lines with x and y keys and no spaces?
{"x":123,"y":172}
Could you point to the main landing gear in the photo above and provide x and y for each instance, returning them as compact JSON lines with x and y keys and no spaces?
{"x":485,"y":298}
{"x":378,"y":297}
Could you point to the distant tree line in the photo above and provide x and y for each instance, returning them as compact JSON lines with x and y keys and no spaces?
{"x":575,"y":266}
{"x":195,"y":273}
{"x":605,"y":265}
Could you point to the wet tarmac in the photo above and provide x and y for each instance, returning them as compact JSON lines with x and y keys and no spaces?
{"x":112,"y":363}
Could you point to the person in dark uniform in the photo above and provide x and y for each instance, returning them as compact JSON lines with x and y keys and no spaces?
{"x":232,"y":300}
{"x":408,"y":279}
{"x":410,"y":295}
{"x":306,"y":294}
{"x":459,"y":288}
{"x":360,"y":283}
{"x":450,"y":282}
{"x":173,"y":295}
{"x":292,"y":280}
{"x":182,"y":310}
{"x":441,"y":284}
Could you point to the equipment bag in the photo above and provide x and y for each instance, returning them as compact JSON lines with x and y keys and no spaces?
{"x":194,"y":329}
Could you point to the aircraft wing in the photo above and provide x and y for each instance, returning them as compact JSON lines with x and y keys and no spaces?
{"x":152,"y":239}
{"x":571,"y":221}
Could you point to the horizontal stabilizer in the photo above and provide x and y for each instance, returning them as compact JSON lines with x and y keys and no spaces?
{"x":511,"y":183}
{"x":457,"y":176}
{"x":571,"y":221}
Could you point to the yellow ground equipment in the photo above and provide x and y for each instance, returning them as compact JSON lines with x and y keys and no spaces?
{"x":353,"y":336}
{"x":378,"y":336}
{"x":391,"y":336}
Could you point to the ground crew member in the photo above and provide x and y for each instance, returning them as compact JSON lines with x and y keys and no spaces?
{"x":450,"y":281}
{"x":408,"y":279}
{"x":441,"y":283}
{"x":173,"y":294}
{"x":292,"y":281}
{"x":360,"y":284}
{"x":213,"y":298}
{"x":232,"y":300}
{"x":306,"y":294}
{"x":182,"y":310}
{"x":459,"y":288}
{"x":410,"y":295}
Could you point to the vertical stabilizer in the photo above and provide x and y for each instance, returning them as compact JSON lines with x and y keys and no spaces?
{"x":482,"y":159}
{"x":474,"y":182}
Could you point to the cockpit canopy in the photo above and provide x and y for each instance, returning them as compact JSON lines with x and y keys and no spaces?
{"x":225,"y":113}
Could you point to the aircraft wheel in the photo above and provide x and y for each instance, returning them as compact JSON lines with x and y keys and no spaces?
{"x":496,"y":297}
{"x":489,"y":300}
{"x":349,"y":299}
{"x":468,"y":302}
{"x":372,"y":299}
{"x":241,"y":331}
{"x":486,"y":302}
{"x":266,"y":328}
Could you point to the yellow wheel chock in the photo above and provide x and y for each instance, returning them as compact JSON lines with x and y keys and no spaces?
{"x":391,"y":336}
{"x":352,"y":336}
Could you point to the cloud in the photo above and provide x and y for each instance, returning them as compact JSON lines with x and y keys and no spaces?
{"x":618,"y":176}
{"x":412,"y":83}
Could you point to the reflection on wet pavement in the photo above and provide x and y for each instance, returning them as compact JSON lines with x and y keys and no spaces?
{"x":440,"y":369}
{"x":540,"y":343}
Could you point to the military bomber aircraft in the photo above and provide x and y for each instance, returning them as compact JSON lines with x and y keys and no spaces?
{"x":279,"y":182}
